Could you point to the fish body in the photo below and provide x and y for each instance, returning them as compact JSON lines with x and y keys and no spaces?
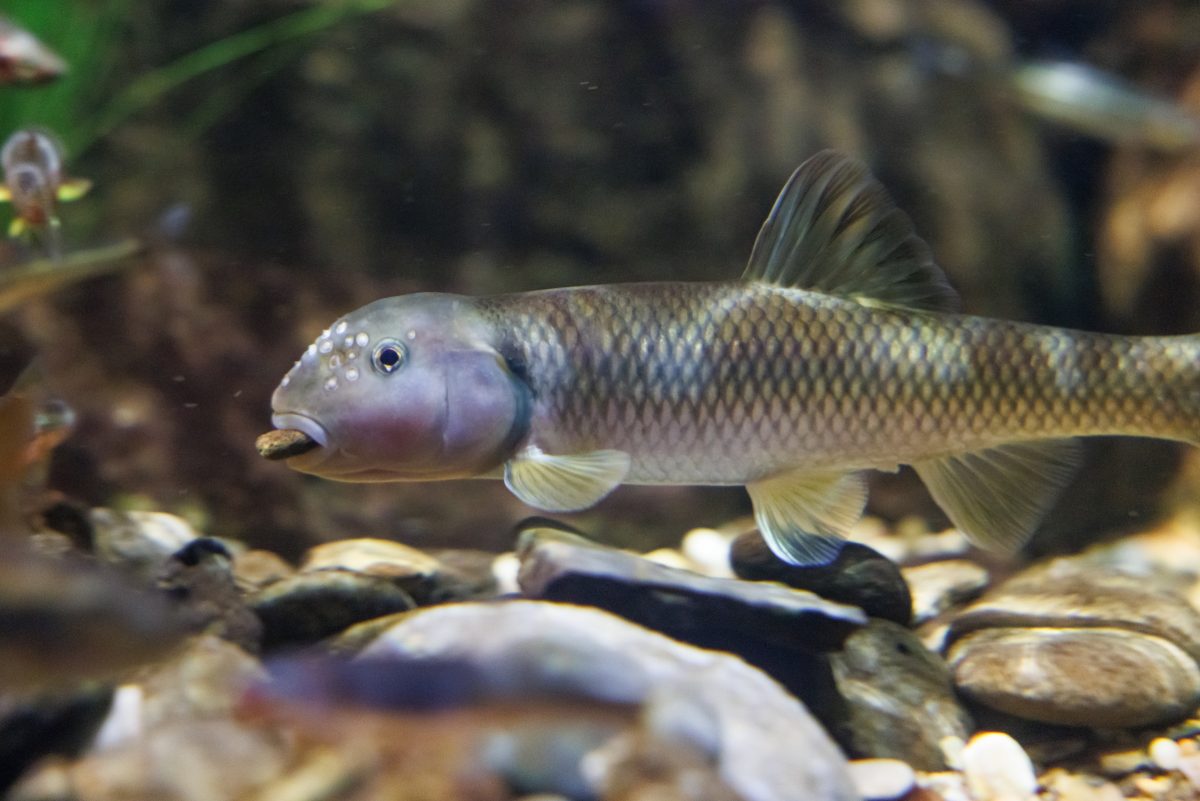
{"x":24,"y":59}
{"x":34,"y":182}
{"x":835,"y":353}
{"x":730,"y":383}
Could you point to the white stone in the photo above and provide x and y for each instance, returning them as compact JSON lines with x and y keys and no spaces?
{"x":1165,"y":754}
{"x":946,"y":785}
{"x":139,"y":540}
{"x":997,"y":768}
{"x":669,"y":557}
{"x":124,"y":722}
{"x":709,"y":548}
{"x":369,"y":555}
{"x":952,"y":750}
{"x":882,"y":779}
{"x":504,"y":570}
{"x":937,"y":586}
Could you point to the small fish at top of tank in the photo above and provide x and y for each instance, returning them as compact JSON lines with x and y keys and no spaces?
{"x":24,"y":59}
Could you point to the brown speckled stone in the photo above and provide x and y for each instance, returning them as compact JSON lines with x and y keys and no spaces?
{"x":1104,"y":677}
{"x":1071,"y":644}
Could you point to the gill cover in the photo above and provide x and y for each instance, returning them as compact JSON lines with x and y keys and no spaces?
{"x":452,"y":409}
{"x":487,"y":410}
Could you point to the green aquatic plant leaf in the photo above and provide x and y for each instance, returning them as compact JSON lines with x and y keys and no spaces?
{"x":92,"y":38}
{"x":20,"y":283}
{"x":154,"y":85}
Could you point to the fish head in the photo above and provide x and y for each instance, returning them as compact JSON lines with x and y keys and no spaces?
{"x":34,"y":147}
{"x":404,"y":389}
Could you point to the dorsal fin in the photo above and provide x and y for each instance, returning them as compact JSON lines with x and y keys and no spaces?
{"x":834,"y":229}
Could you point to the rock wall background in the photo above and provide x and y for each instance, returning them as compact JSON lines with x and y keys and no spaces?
{"x":479,"y":147}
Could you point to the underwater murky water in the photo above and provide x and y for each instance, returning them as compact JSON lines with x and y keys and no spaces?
{"x":198,"y":193}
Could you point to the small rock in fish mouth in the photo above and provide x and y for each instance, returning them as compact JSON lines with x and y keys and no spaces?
{"x":283,"y":443}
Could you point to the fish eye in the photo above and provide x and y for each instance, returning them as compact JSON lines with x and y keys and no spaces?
{"x":388,"y":356}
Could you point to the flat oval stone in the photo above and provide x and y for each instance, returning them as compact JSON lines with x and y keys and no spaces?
{"x":372,"y":556}
{"x":428,"y":579}
{"x":1103,"y":677}
{"x":1064,"y":594}
{"x":710,"y":612}
{"x":938,"y":587}
{"x":1066,"y":642}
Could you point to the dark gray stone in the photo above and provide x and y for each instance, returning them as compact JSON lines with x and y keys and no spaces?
{"x":199,"y":577}
{"x":777,"y":629}
{"x":860,"y":576}
{"x":32,"y":727}
{"x":308,"y":607}
{"x":898,"y":700}
{"x":710,"y":612}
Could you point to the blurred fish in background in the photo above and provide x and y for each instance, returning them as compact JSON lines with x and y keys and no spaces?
{"x":24,"y":59}
{"x":50,"y":605}
{"x":1097,"y":103}
{"x":32,"y":424}
{"x":35,"y":183}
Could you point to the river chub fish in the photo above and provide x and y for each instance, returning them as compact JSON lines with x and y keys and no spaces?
{"x":838,"y":351}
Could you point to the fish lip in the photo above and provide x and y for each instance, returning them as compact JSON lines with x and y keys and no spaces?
{"x":317,"y":432}
{"x":301,"y":422}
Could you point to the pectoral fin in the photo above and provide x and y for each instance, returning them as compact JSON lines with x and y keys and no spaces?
{"x":803,"y":516}
{"x":73,"y":189}
{"x":998,"y":496}
{"x":564,"y":483}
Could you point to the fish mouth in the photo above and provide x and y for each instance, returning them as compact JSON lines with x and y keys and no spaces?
{"x":305,"y":448}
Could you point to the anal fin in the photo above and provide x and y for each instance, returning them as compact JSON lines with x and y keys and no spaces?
{"x":998,"y":496}
{"x":564,"y":483}
{"x":804,"y":515}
